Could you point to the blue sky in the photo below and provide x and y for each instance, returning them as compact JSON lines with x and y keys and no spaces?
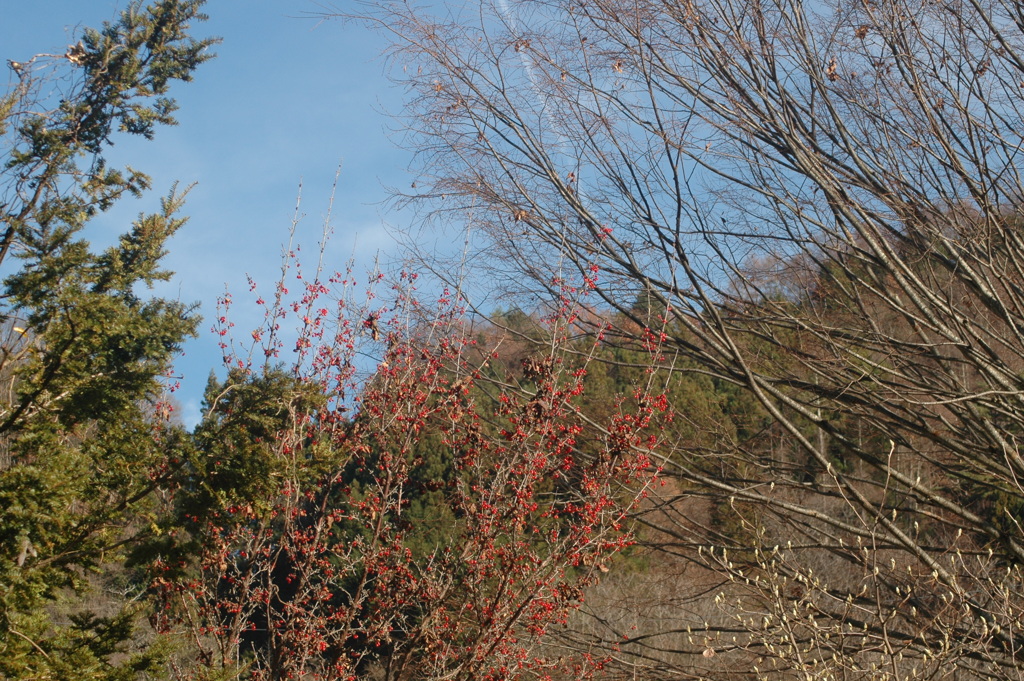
{"x":287,"y":99}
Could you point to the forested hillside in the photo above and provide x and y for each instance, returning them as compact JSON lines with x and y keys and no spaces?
{"x":751,"y":409}
{"x":811,"y":214}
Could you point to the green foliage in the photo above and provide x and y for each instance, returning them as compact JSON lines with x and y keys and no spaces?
{"x":425,"y":519}
{"x":121,"y":74}
{"x":98,"y":344}
{"x":82,"y":457}
{"x":237,"y":459}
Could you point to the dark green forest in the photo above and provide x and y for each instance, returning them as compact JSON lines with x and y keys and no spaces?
{"x":749,"y":410}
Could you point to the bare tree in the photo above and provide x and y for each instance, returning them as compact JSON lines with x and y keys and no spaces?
{"x":822,"y":204}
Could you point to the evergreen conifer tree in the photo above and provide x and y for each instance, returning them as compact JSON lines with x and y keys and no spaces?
{"x":82,"y":347}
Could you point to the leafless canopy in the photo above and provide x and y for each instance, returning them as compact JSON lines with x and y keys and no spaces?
{"x":824,"y":202}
